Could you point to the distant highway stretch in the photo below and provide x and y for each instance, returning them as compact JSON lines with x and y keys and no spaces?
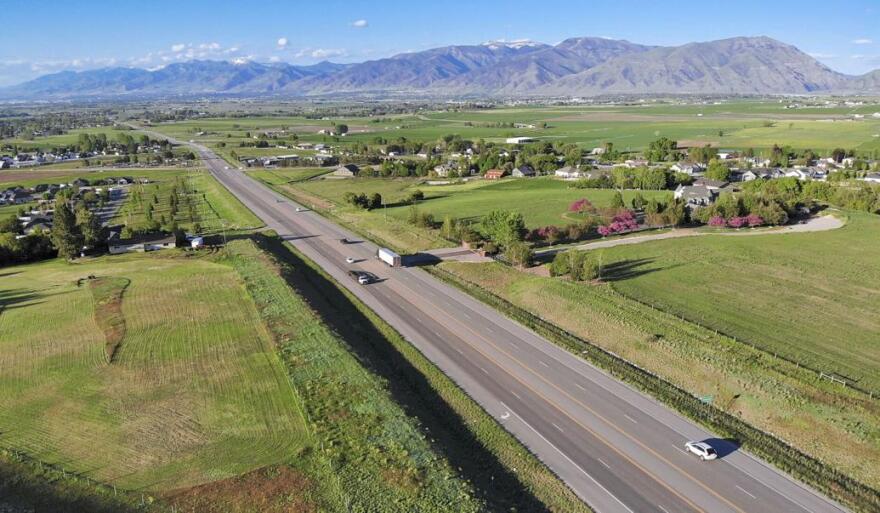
{"x":618,"y":449}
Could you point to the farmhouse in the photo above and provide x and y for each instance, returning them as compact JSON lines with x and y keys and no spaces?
{"x":520,"y":140}
{"x":714,"y":185}
{"x":140,"y":243}
{"x":494,"y":174}
{"x":348,"y":171}
{"x":523,"y":171}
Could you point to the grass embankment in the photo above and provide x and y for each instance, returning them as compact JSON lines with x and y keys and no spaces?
{"x":504,"y":475}
{"x":835,"y":426}
{"x":810,"y":297}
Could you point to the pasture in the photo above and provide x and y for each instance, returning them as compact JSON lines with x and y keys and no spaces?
{"x":542,"y":201}
{"x":812,"y":297}
{"x":735,"y":124}
{"x":194,"y":393}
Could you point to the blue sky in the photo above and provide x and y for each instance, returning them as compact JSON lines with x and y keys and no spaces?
{"x":48,"y":35}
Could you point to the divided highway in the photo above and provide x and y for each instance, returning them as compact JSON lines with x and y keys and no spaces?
{"x":619,"y":450}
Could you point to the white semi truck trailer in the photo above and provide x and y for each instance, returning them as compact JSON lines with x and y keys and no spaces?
{"x":389,"y":257}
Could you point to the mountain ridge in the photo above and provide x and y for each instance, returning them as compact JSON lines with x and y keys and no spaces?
{"x":580,"y":66}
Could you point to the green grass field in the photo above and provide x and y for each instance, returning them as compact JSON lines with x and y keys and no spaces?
{"x":737,"y":124}
{"x":542,"y":201}
{"x":812,"y":297}
{"x":195,"y":393}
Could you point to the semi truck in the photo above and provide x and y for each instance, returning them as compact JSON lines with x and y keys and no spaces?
{"x":389,"y":257}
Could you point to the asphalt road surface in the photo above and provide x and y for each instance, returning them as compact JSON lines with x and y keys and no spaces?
{"x":618,"y":449}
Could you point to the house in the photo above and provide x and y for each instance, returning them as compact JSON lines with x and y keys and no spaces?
{"x":567,"y":173}
{"x":494,"y":174}
{"x":443,"y":170}
{"x":37,"y":225}
{"x":348,"y":171}
{"x":140,"y":243}
{"x":520,"y":140}
{"x":687,"y":168}
{"x":322,"y":159}
{"x":871,"y":177}
{"x":695,"y":196}
{"x":803,"y":173}
{"x":715,"y":185}
{"x":17,"y":197}
{"x":634,"y":163}
{"x":748,"y":175}
{"x":523,"y":171}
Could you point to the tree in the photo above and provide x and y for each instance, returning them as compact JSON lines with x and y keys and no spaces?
{"x":638,"y":201}
{"x":504,"y":227}
{"x":90,"y":226}
{"x":519,"y":253}
{"x":66,"y":235}
{"x":717,"y":171}
{"x":590,"y":268}
{"x":375,"y":201}
{"x":341,"y":129}
{"x":617,"y":200}
{"x":416,"y":195}
{"x":559,"y":265}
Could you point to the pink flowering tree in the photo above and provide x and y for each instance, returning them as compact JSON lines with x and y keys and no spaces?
{"x":604,"y":231}
{"x":736,"y":222}
{"x":717,"y":221}
{"x":624,"y":221}
{"x":582,"y":206}
{"x":754,"y":220}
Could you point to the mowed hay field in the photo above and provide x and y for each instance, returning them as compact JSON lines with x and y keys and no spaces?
{"x":195,"y":392}
{"x":811,"y":297}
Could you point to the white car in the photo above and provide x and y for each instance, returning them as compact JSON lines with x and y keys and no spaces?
{"x":299,"y":209}
{"x":364,"y":279}
{"x":349,"y":260}
{"x":701,"y":449}
{"x":227,"y":167}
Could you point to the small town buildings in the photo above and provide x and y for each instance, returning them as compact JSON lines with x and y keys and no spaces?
{"x":523,"y":171}
{"x":520,"y":140}
{"x":140,"y":243}
{"x":495,"y":174}
{"x":347,"y":171}
{"x":715,"y":185}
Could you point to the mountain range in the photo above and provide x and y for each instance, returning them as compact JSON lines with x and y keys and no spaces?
{"x":583,"y":66}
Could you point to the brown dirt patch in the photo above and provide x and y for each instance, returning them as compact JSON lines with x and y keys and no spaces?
{"x":275,"y":489}
{"x":306,"y":198}
{"x":107,"y":294}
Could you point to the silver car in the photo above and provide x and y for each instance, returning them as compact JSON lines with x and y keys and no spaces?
{"x":701,"y":449}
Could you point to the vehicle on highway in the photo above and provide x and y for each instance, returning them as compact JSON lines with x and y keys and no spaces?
{"x":389,"y":257}
{"x":701,"y":449}
{"x":344,"y":241}
{"x":349,"y":260}
{"x":364,"y":278}
{"x":299,"y":209}
{"x":226,"y":167}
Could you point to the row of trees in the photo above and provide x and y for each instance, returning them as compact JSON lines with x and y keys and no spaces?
{"x":642,"y":177}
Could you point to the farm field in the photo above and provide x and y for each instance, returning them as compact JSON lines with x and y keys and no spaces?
{"x":733,"y":125}
{"x":836,"y":425}
{"x":194,"y":392}
{"x":812,"y":297}
{"x":542,"y":201}
{"x":285,"y":175}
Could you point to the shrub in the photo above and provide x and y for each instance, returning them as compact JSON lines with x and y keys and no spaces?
{"x":736,"y":222}
{"x":559,"y":266}
{"x":754,"y":220}
{"x":717,"y":221}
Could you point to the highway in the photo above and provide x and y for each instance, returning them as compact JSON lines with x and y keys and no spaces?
{"x":619,"y":450}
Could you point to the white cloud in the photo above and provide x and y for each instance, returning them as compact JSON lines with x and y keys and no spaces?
{"x":282,"y":42}
{"x":178,"y":47}
{"x":322,"y":53}
{"x":360,"y":24}
{"x":862,"y":41}
{"x":857,"y":56}
{"x":209,"y":46}
{"x":274,"y":58}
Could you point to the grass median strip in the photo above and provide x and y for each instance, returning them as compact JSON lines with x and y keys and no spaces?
{"x":504,"y":475}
